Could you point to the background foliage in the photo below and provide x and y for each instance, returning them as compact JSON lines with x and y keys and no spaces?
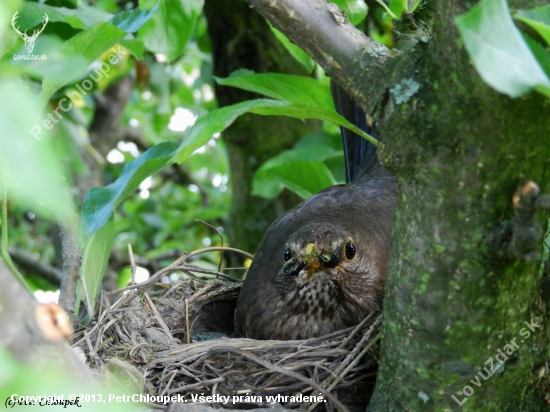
{"x":156,"y":174}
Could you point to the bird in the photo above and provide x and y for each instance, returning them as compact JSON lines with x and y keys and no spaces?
{"x":321,"y":267}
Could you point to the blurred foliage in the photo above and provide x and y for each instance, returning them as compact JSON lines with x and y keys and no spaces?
{"x":50,"y":102}
{"x":166,"y":98}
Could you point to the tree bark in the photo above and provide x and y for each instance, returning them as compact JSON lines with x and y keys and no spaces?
{"x":242,"y":39}
{"x":459,"y":150}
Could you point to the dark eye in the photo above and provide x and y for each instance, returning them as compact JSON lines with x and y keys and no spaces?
{"x":349,"y":249}
{"x":287,"y":255}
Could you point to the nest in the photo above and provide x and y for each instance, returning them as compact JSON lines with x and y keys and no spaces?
{"x":164,"y":340}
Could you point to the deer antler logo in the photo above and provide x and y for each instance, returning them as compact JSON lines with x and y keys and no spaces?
{"x":29,"y":40}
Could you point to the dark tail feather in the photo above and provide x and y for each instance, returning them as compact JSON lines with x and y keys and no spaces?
{"x":359,"y":154}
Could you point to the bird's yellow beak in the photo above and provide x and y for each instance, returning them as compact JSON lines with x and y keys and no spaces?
{"x":314,"y":258}
{"x":311,"y":254}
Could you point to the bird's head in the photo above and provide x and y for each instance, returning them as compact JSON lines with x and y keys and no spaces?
{"x":303,"y":262}
{"x":329,"y":255}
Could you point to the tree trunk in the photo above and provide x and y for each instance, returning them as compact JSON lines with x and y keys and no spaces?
{"x":459,"y":150}
{"x":242,"y":39}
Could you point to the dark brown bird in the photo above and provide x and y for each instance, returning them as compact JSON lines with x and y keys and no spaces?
{"x":321,"y":267}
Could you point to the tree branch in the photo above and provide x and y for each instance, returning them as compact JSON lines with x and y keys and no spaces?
{"x":323,"y":32}
{"x":29,"y":263}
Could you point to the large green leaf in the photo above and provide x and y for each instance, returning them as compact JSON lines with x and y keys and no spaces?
{"x":500,"y":55}
{"x":355,"y":10}
{"x":89,"y":44}
{"x":95,"y":257}
{"x":100,"y":202}
{"x":218,"y":120}
{"x":538,"y":19}
{"x":318,"y":147}
{"x":170,"y":28}
{"x":296,"y":89}
{"x":303,"y":177}
{"x":28,"y":164}
{"x":308,"y":97}
{"x":310,"y":112}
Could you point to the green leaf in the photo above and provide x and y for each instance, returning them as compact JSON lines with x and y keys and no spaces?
{"x":356,"y":10}
{"x":500,"y":55}
{"x":169,"y":30}
{"x":89,"y":44}
{"x":301,"y":56}
{"x":296,"y":89}
{"x":538,"y":19}
{"x":134,"y":46}
{"x":308,"y":97}
{"x":319,"y":147}
{"x":95,"y":257}
{"x":218,"y":120}
{"x":100,"y":202}
{"x":309,"y":112}
{"x":131,"y":21}
{"x":304,"y":178}
{"x":28,"y":164}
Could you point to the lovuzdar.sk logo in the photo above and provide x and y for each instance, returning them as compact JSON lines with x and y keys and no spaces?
{"x":29,"y":39}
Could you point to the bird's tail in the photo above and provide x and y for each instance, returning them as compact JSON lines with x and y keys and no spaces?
{"x":360,"y":155}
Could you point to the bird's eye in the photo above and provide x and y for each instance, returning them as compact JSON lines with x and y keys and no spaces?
{"x":349,"y":250}
{"x":287,"y":255}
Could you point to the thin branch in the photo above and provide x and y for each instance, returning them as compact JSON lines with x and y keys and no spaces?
{"x":29,"y":263}
{"x":157,"y":316}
